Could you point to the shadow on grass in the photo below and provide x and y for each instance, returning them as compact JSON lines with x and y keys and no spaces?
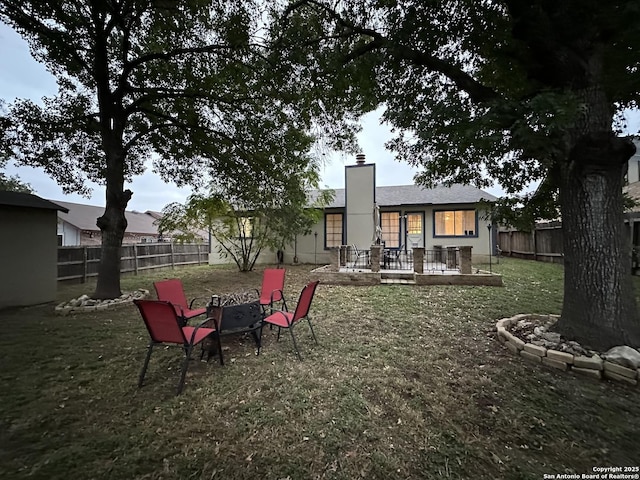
{"x":407,"y":382}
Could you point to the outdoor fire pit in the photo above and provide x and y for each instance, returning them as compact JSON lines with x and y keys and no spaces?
{"x":236,"y":314}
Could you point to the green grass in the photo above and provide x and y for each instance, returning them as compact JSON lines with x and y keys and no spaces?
{"x":407,"y":382}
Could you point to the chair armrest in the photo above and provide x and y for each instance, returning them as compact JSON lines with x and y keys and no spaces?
{"x":197,"y":298}
{"x":207,"y":323}
{"x":284,"y":302}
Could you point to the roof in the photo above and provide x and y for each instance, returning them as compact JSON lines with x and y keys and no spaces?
{"x":396,"y":196}
{"x":84,"y":217}
{"x":28,"y":200}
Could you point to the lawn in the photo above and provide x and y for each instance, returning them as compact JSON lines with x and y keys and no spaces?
{"x":407,"y":382}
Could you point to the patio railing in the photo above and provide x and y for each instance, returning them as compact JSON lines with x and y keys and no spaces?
{"x":439,"y":260}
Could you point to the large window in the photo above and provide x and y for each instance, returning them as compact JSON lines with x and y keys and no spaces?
{"x":333,"y":230}
{"x":390,"y":224}
{"x":455,"y":223}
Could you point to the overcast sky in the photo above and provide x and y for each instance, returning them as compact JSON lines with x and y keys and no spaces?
{"x":22,"y":77}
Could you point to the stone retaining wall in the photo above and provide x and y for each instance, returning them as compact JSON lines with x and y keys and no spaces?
{"x":593,"y":367}
{"x":490,"y":280}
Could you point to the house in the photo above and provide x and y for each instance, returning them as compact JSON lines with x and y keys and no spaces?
{"x":29,"y":250}
{"x":77,"y":226}
{"x":632,"y":216}
{"x":409,"y":216}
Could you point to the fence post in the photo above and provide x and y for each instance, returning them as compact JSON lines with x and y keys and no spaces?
{"x":85,"y":264}
{"x":535,"y":244}
{"x":135,"y":259}
{"x":198,"y":249}
{"x":173,"y":265}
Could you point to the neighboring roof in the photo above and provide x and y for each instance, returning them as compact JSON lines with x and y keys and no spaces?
{"x":84,"y":217}
{"x":28,"y":200}
{"x":415,"y":195}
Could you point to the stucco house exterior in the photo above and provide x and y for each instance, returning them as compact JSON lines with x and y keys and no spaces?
{"x":409,"y":216}
{"x":632,"y":216}
{"x":29,"y":249}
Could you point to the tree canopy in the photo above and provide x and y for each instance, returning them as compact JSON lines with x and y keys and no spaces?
{"x":516,"y":91}
{"x":188,"y":83}
{"x":245,"y":214}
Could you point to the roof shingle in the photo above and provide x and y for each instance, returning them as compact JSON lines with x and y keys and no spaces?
{"x":395,"y":196}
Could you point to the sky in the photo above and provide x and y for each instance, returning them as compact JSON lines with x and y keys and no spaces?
{"x":22,"y":77}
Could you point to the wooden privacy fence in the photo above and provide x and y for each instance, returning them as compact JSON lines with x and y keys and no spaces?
{"x":80,"y":263}
{"x":543,"y":244}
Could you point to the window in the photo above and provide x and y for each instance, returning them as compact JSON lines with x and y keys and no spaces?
{"x":390,"y":224}
{"x":414,"y":224}
{"x":245,"y":226}
{"x":455,"y":223}
{"x":333,"y":230}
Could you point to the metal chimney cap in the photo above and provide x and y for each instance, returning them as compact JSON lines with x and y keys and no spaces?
{"x":360,"y":159}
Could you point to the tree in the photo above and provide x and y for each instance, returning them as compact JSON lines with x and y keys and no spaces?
{"x":8,"y":182}
{"x":14,"y":184}
{"x":187,"y":83}
{"x":246,"y":214}
{"x":516,"y":91}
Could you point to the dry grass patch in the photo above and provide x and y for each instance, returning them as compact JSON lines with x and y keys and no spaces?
{"x":407,"y":382}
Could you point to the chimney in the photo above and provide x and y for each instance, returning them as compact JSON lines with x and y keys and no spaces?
{"x":360,"y":197}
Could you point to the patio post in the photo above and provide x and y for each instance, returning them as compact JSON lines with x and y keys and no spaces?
{"x":334,"y":259}
{"x":375,"y":257}
{"x":465,"y":260}
{"x":342,"y":256}
{"x":418,"y":259}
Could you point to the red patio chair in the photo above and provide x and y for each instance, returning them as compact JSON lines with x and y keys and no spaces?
{"x":288,"y":320}
{"x":172,"y":291}
{"x":272,"y":289}
{"x":165,"y":328}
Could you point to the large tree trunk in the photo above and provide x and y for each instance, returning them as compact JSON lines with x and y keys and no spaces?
{"x":599,"y":308}
{"x":112,"y":224}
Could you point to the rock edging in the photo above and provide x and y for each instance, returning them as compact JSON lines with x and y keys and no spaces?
{"x":595,"y":366}
{"x":84,"y":303}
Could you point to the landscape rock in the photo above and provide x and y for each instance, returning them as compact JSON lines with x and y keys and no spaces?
{"x":86,"y":303}
{"x":623,"y":355}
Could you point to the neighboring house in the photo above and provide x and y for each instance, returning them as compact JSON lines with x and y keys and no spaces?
{"x":409,"y":216}
{"x":29,"y":250}
{"x":78,"y":226}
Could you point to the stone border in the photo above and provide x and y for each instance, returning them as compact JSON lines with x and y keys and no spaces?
{"x":594,"y":367}
{"x":86,"y":304}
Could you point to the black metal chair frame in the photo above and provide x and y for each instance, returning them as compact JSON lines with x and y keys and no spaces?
{"x":291,"y":325}
{"x":187,"y":347}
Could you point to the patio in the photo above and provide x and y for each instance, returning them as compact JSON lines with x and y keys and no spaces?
{"x":417,"y":266}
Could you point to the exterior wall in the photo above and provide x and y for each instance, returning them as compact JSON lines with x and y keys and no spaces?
{"x":633,"y":170}
{"x":311,"y":249}
{"x":360,"y":185}
{"x":70,"y":234}
{"x":31,"y":255}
